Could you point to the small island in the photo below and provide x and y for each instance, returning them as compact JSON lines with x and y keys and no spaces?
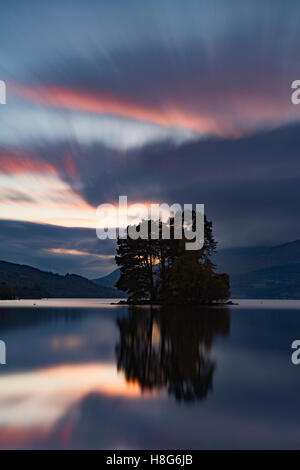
{"x":162,"y":272}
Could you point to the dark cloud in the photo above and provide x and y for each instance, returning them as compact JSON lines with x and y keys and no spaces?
{"x":250,"y":188}
{"x":33,"y":244}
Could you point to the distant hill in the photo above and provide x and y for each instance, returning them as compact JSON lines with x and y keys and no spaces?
{"x":242,"y":260}
{"x":288,"y":253}
{"x":263,"y":272}
{"x":277,"y":282}
{"x":109,"y":280}
{"x":29,"y":282}
{"x":256,"y":272}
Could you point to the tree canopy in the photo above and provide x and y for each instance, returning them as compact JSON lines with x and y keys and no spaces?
{"x":161,"y":270}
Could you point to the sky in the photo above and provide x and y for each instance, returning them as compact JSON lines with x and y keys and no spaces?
{"x":162,"y":101}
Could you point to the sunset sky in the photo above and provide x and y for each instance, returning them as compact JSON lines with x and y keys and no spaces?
{"x":162,"y":101}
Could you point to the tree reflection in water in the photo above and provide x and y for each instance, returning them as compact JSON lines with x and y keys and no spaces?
{"x":171,"y":348}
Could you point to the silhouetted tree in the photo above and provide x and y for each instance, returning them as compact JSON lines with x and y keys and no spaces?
{"x":137,"y":259}
{"x":162,"y":270}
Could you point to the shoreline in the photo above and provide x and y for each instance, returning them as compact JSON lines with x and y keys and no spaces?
{"x":160,"y":304}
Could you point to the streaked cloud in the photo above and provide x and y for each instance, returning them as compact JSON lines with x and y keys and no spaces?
{"x":23,"y":124}
{"x":18,"y":162}
{"x":43,"y":198}
{"x":168,"y":115}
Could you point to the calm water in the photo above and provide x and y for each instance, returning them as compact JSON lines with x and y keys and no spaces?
{"x":87,"y":374}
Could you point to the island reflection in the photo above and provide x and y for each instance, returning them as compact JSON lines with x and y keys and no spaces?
{"x":170,"y":348}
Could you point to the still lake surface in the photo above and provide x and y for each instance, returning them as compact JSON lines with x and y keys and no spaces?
{"x":86,"y":374}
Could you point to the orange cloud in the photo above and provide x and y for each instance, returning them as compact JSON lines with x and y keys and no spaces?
{"x":14,"y":436}
{"x":20,"y":163}
{"x":70,"y":167}
{"x":72,"y":252}
{"x":104,"y":103}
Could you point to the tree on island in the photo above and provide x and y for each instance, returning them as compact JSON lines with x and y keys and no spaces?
{"x":161,"y":270}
